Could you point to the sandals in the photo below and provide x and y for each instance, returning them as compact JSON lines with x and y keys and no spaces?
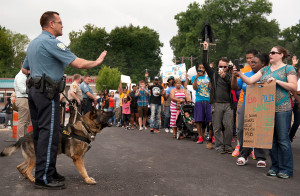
{"x":241,"y":161}
{"x":261,"y":163}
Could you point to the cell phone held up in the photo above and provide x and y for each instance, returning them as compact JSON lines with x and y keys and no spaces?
{"x":237,"y":64}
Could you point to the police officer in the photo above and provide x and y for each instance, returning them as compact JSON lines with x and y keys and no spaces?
{"x":87,"y":94}
{"x":46,"y":59}
{"x":75,"y":96}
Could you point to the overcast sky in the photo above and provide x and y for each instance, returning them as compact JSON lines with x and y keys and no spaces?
{"x":22,"y":16}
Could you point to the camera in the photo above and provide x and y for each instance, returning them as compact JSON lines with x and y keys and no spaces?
{"x":238,"y":64}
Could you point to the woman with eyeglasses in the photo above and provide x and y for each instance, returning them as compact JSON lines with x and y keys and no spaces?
{"x":286,"y":80}
{"x":256,"y":63}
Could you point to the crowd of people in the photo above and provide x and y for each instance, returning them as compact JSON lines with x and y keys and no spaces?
{"x":219,"y":106}
{"x":218,"y":95}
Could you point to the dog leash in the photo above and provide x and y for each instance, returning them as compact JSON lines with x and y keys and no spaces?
{"x":84,"y":125}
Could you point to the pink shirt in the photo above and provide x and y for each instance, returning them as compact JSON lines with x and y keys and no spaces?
{"x":126,"y":108}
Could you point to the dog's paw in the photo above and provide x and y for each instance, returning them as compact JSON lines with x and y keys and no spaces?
{"x":90,"y":180}
{"x":31,"y":178}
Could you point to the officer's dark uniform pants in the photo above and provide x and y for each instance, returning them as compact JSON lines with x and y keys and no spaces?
{"x":86,"y":105}
{"x":45,"y":120}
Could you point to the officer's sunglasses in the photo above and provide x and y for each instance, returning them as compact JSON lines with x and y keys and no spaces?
{"x":58,"y":22}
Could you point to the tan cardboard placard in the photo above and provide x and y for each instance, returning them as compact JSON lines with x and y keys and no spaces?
{"x":259,"y":115}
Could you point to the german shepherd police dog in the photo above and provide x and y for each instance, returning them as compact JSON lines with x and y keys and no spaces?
{"x":73,"y":142}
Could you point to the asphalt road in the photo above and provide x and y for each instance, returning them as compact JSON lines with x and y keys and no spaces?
{"x":139,"y":163}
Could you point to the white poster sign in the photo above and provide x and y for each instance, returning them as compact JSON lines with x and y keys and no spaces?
{"x":125,"y":79}
{"x":177,"y":71}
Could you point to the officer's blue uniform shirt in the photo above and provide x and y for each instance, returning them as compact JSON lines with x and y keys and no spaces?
{"x":85,"y":88}
{"x":46,"y":54}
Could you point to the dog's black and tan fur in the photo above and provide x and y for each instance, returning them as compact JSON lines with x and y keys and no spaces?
{"x":95,"y":121}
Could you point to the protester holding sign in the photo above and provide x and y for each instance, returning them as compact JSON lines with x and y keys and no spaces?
{"x":258,"y":61}
{"x":286,"y":80}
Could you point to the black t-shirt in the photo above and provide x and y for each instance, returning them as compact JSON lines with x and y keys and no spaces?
{"x":106,"y":102}
{"x":134,"y":100}
{"x":223,"y":92}
{"x":155,"y":97}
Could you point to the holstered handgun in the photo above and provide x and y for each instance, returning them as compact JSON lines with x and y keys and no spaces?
{"x":51,"y":87}
{"x":42,"y":83}
{"x":62,"y":85}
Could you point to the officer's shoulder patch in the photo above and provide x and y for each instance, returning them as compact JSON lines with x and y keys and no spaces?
{"x":74,"y":86}
{"x":61,"y":46}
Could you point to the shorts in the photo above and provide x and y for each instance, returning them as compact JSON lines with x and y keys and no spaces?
{"x":133,"y":110}
{"x":202,"y":112}
{"x":126,"y":117}
{"x":142,"y":110}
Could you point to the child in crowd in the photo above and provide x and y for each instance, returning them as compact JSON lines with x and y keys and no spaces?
{"x":126,"y":111}
{"x":188,"y":118}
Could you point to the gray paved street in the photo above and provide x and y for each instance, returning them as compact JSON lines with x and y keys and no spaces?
{"x":139,"y":163}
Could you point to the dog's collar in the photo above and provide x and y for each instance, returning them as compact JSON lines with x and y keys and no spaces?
{"x":65,"y":132}
{"x":88,"y":130}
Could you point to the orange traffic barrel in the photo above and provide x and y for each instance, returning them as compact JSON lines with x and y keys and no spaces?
{"x":15,"y":125}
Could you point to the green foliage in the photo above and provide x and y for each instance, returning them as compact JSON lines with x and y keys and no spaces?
{"x":238,"y":25}
{"x":291,"y":40}
{"x":108,"y":78}
{"x":87,"y":44}
{"x":140,"y":49}
{"x":130,"y":49}
{"x":6,"y":53}
{"x":12,"y":52}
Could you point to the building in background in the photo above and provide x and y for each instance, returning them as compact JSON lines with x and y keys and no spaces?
{"x":7,"y":87}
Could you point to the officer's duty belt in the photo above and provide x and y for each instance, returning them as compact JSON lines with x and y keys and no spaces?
{"x":46,"y":84}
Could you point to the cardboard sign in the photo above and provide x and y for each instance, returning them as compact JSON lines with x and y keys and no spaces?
{"x":259,"y":115}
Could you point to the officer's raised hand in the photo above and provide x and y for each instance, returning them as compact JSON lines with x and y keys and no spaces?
{"x":86,"y":64}
{"x":101,"y":57}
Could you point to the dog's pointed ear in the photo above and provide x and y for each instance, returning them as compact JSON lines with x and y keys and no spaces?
{"x":93,"y":113}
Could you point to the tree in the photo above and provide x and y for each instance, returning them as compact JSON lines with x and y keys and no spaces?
{"x":6,"y":52}
{"x":238,"y":25}
{"x":108,"y":78}
{"x":87,"y":44}
{"x":12,"y":52}
{"x":138,"y":48}
{"x":291,"y":40}
{"x":130,"y":49}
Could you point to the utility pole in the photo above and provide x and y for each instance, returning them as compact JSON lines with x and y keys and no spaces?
{"x":175,"y":61}
{"x":191,"y":58}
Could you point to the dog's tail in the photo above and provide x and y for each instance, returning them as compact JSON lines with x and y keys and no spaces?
{"x":9,"y":150}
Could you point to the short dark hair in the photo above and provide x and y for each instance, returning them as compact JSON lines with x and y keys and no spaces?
{"x":46,"y":17}
{"x":77,"y":76}
{"x":252,"y":51}
{"x":86,"y":76}
{"x":264,"y":58}
{"x":223,"y":59}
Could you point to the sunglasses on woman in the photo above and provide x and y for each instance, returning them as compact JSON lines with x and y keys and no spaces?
{"x":273,"y":52}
